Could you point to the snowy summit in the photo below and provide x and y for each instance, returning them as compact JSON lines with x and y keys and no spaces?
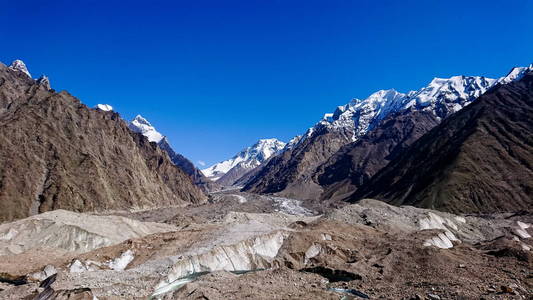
{"x":19,"y":65}
{"x":141,"y":125}
{"x":443,"y":96}
{"x":104,"y":107}
{"x":251,"y":157}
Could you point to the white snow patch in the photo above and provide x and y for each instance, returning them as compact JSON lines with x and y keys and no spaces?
{"x":9,"y":235}
{"x":460,"y":219}
{"x":515,"y":74}
{"x":104,"y":107}
{"x":434,"y":221}
{"x":443,"y":239}
{"x":176,"y":284}
{"x":48,"y":271}
{"x":120,"y":263}
{"x":20,"y":66}
{"x":141,"y":125}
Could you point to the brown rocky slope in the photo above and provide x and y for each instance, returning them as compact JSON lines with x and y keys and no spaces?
{"x":478,"y":160}
{"x":57,"y":153}
{"x":289,"y":174}
{"x":354,"y":164}
{"x":198,"y":178}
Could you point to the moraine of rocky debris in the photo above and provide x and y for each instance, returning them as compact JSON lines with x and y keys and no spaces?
{"x":229,"y":248}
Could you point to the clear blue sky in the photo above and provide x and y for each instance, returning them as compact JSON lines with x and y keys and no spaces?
{"x":214,"y":76}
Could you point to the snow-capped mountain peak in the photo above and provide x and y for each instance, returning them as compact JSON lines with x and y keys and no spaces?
{"x":360,"y":115}
{"x":515,"y":74}
{"x":442,"y":96}
{"x":104,"y":107}
{"x":263,"y":149}
{"x":448,"y":95}
{"x":249,"y":157}
{"x":141,"y":125}
{"x":20,"y":66}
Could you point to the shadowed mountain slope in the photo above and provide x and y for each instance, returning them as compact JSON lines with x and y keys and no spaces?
{"x":354,"y":164}
{"x":478,"y":160}
{"x":295,"y":173}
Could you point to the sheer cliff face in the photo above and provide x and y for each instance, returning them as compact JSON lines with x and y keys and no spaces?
{"x":57,"y":153}
{"x":478,"y":160}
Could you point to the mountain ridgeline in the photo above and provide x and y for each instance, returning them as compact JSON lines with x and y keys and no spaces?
{"x":142,"y":126}
{"x":478,"y":160}
{"x":339,"y":157}
{"x":303,"y":171}
{"x":462,"y":144}
{"x":58,"y":153}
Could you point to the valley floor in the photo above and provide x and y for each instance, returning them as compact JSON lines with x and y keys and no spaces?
{"x":240,"y":245}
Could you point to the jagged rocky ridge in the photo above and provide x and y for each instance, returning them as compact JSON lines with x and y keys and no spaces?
{"x":294,"y":172}
{"x":58,"y":153}
{"x":141,"y":125}
{"x":478,"y":160}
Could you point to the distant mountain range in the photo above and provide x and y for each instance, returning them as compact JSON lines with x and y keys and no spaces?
{"x":461,"y":144}
{"x":349,"y":146}
{"x":478,"y":160}
{"x":230,"y":171}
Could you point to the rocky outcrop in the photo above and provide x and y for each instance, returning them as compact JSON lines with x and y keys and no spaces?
{"x":44,"y":81}
{"x":57,"y":153}
{"x":478,"y":160}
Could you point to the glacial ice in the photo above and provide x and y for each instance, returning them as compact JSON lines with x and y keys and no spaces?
{"x":120,"y":263}
{"x":251,"y":254}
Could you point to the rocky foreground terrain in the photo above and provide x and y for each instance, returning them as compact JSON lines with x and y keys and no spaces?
{"x":245,"y":246}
